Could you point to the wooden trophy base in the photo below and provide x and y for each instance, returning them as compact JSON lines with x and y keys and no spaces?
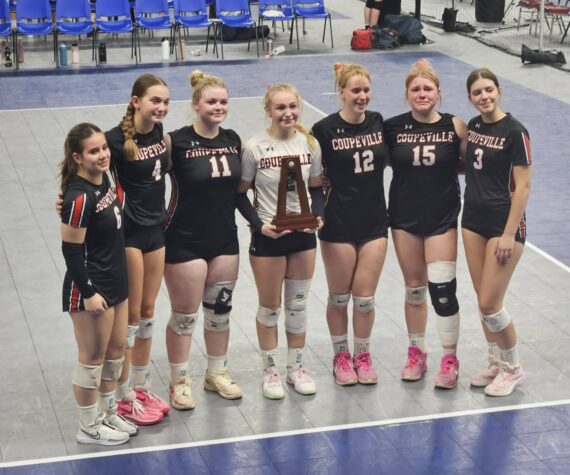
{"x":295,"y":222}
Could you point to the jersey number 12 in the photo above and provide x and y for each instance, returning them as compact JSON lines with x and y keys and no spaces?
{"x":363,"y":162}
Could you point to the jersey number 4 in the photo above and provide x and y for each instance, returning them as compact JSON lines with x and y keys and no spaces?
{"x":156,"y":171}
{"x":424,"y":155}
{"x":216,"y":173}
{"x":363,"y":162}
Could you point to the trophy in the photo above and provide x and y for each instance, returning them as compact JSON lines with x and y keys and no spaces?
{"x":292,"y":181}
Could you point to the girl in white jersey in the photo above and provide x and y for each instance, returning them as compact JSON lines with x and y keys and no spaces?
{"x":286,"y":259}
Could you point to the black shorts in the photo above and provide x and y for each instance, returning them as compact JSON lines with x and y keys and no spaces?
{"x":176,"y":254}
{"x":427,"y":233}
{"x":113,"y":293}
{"x":145,"y":238}
{"x":520,"y":235}
{"x":297,"y":241}
{"x":373,"y":4}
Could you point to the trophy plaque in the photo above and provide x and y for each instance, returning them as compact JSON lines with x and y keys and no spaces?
{"x":291,"y":180}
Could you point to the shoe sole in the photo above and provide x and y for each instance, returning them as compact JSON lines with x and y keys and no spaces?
{"x":142,"y":423}
{"x":273,"y":398}
{"x":116,"y":428}
{"x":520,"y":381}
{"x":368,"y":382}
{"x":210,"y":387}
{"x":477,"y":385}
{"x":89,"y":441}
{"x":292,"y":384}
{"x":443,"y":386}
{"x":179,"y":407}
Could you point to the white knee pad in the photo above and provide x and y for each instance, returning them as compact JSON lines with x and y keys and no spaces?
{"x":87,"y":376}
{"x":112,"y":369}
{"x":216,"y":322}
{"x":131,"y":333}
{"x":448,"y":329}
{"x":362,"y":304}
{"x":339,"y":300}
{"x":416,"y":295}
{"x":497,"y":321}
{"x":296,"y":296}
{"x":217,"y":304}
{"x":182,"y":323}
{"x":144,"y":331}
{"x":268,"y":317}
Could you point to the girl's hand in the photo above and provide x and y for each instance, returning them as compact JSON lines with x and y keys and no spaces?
{"x":95,"y":304}
{"x":320,"y":224}
{"x":504,"y":248}
{"x":269,"y":231}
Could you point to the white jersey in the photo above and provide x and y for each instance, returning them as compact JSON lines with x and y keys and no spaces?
{"x":261,"y":164}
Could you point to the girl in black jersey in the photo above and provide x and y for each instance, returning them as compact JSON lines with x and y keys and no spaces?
{"x":139,"y":158}
{"x":424,"y":205}
{"x":201,"y":240}
{"x":497,"y":177}
{"x":354,"y":236}
{"x":282,"y":262}
{"x":95,"y":284}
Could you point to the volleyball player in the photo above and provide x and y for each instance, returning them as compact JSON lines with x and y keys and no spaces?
{"x":354,"y":236}
{"x":282,"y":262}
{"x":497,"y":177}
{"x":424,"y":205}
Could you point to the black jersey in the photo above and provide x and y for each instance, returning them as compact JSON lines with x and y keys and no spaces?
{"x":424,"y":193}
{"x":205,"y":174}
{"x":492,"y":151}
{"x":97,"y":208}
{"x":353,"y":157}
{"x":142,"y":178}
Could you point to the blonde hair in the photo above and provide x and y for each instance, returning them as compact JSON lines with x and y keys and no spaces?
{"x":343,"y":73}
{"x":68,"y":167}
{"x":200,"y":81}
{"x":141,"y":85}
{"x":422,"y":68}
{"x":268,"y":100}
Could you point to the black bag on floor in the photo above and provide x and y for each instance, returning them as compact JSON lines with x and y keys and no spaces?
{"x":385,"y":38}
{"x":408,"y":27}
{"x":541,"y":57}
{"x":449,"y":19}
{"x":244,"y":34}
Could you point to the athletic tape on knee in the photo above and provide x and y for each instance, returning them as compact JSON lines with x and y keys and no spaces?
{"x":182,"y":323}
{"x":144,"y":331}
{"x":296,"y":294}
{"x":497,"y":321}
{"x":87,"y":376}
{"x":448,"y":329}
{"x":443,"y":287}
{"x":112,"y":369}
{"x":339,"y":300}
{"x":268,"y":317}
{"x":218,"y":296}
{"x":216,"y":322}
{"x":416,"y":295}
{"x":131,"y":333}
{"x":362,"y":304}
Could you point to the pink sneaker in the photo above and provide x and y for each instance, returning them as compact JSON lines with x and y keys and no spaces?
{"x":448,"y":373}
{"x":152,"y":401}
{"x":342,"y":369}
{"x":134,"y":411}
{"x":364,"y":370}
{"x":416,"y":365}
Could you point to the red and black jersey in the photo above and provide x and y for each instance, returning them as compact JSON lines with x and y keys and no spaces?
{"x":353,"y":158}
{"x":424,"y":193}
{"x":492,"y":152}
{"x":142,"y":179}
{"x":98,"y":209}
{"x":205,"y":174}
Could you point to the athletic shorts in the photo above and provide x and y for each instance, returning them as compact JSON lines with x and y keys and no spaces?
{"x":373,"y":4}
{"x":520,"y":236}
{"x":72,"y":300}
{"x":145,"y":238}
{"x":427,"y":233}
{"x":176,"y":254}
{"x":297,"y":241}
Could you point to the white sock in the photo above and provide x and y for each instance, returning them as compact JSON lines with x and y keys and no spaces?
{"x":493,"y":350}
{"x":361,"y":345}
{"x":179,"y":371}
{"x":340,"y":343}
{"x":268,"y":358}
{"x":89,"y":417}
{"x":140,"y":377}
{"x":511,"y":356}
{"x":217,"y":364}
{"x":124,"y":391}
{"x":417,"y":339}
{"x":107,"y":402}
{"x":294,"y":358}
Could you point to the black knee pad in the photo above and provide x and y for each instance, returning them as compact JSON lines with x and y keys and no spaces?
{"x":443,"y":298}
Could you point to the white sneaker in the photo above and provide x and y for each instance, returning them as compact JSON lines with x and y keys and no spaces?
{"x":484,"y":377}
{"x":223,"y":384}
{"x":301,"y":381}
{"x":103,"y":435}
{"x":181,"y":394}
{"x":506,"y":381}
{"x":272,"y":386}
{"x":118,"y":422}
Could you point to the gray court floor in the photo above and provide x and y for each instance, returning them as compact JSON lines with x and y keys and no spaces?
{"x":37,"y":348}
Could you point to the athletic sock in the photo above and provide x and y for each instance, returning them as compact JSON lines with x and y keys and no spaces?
{"x":268,"y":358}
{"x":417,"y":339}
{"x":140,"y":377}
{"x":511,"y":356}
{"x":294,"y":358}
{"x":361,"y":345}
{"x":340,"y":343}
{"x":217,"y":364}
{"x":179,"y":371}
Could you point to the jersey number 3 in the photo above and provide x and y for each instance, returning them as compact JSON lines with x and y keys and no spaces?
{"x":478,"y":163}
{"x":216,"y":173}
{"x":363,"y":162}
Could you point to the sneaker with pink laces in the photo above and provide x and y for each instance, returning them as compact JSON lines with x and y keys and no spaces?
{"x":134,"y":411}
{"x":152,"y":401}
{"x":448,"y":373}
{"x":508,"y":378}
{"x":485,"y":376}
{"x":364,"y":370}
{"x":343,"y":370}
{"x":416,"y":364}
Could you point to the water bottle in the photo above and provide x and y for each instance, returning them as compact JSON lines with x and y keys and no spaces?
{"x":269,"y":45}
{"x":280,"y":49}
{"x":74,"y":53}
{"x":62,"y":54}
{"x":196,"y":52}
{"x":181,"y":49}
{"x":165,"y":44}
{"x":20,"y":51}
{"x":102,"y":53}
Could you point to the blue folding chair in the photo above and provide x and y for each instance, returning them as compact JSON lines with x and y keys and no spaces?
{"x":114,"y":17}
{"x":6,"y":28}
{"x":312,"y":9}
{"x":234,"y":14}
{"x":153,"y":15}
{"x":191,"y":14}
{"x":274,"y":11}
{"x":33,"y":18}
{"x":73,"y":17}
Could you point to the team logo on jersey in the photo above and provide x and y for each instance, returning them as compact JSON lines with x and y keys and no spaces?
{"x":408,"y":127}
{"x":477,"y":125}
{"x":271,"y":148}
{"x":340,"y":131}
{"x":194,"y":143}
{"x":97,"y":193}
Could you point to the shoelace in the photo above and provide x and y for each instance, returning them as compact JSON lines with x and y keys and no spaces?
{"x":363,"y":362}
{"x":448,"y":365}
{"x":138,"y":407}
{"x":274,"y":379}
{"x":413,"y":359}
{"x":301,"y":376}
{"x":344,"y":362}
